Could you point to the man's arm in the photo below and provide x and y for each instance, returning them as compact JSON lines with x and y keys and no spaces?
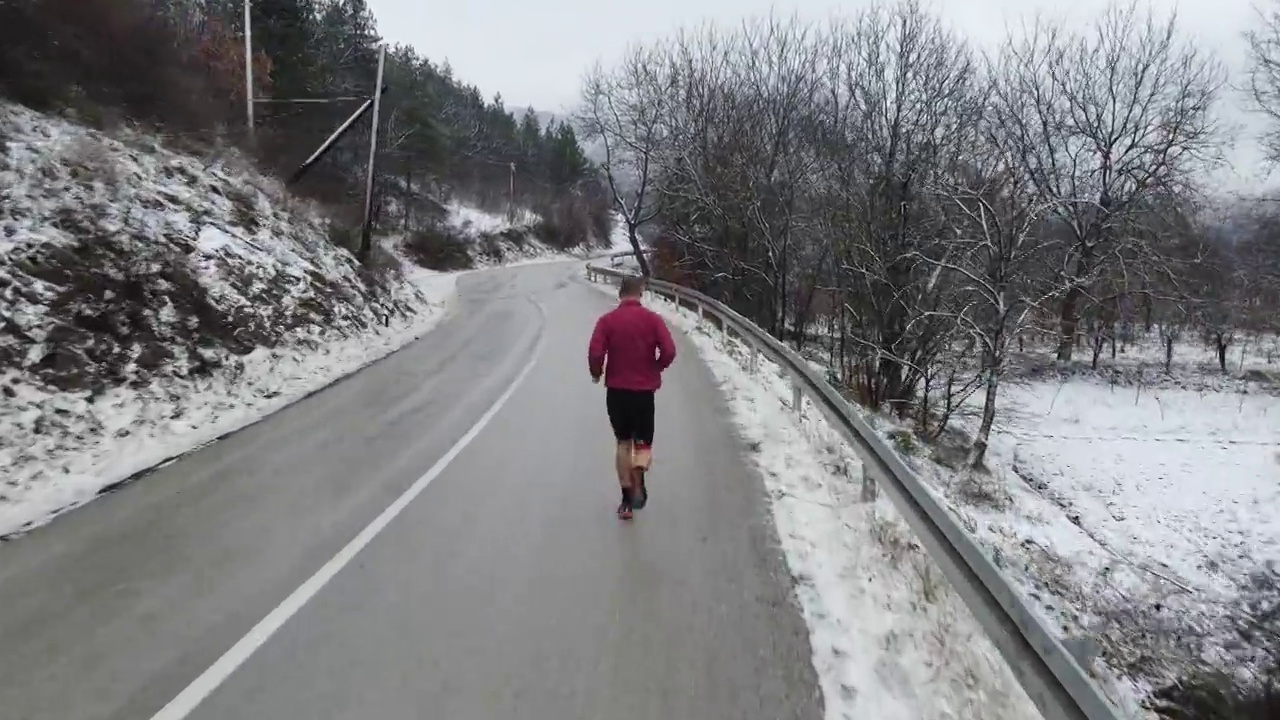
{"x":666,"y":346}
{"x":597,"y":350}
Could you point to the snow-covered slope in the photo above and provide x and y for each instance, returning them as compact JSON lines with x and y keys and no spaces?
{"x":151,"y":301}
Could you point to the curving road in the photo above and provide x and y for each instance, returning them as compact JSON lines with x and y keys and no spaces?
{"x":505,"y":588}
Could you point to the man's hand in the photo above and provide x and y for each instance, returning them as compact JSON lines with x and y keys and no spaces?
{"x":595,"y":379}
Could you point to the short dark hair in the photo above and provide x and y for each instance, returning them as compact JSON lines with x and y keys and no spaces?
{"x":631,"y":287}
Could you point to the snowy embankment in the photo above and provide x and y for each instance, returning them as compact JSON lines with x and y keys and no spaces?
{"x":152,"y":301}
{"x":890,"y":639}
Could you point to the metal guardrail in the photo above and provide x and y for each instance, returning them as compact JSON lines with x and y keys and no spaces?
{"x":1050,"y":675}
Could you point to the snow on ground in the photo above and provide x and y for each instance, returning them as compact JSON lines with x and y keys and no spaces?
{"x":1133,"y":506}
{"x":152,"y":301}
{"x":499,"y":241}
{"x":62,"y":449}
{"x":474,"y":222}
{"x":620,"y":242}
{"x":1140,"y":515}
{"x":890,"y":639}
{"x":1183,"y":481}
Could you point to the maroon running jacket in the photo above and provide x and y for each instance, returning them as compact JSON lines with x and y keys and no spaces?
{"x":638,"y":346}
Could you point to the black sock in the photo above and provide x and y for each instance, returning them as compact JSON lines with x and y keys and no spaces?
{"x":626,"y":495}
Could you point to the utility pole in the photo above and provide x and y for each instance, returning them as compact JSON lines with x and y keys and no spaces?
{"x":366,"y":232}
{"x":329,"y":142}
{"x":248,"y":66}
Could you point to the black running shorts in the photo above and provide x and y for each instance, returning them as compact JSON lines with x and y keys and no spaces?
{"x":631,"y":414}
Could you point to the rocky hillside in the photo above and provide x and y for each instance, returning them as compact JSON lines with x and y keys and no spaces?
{"x":152,"y":300}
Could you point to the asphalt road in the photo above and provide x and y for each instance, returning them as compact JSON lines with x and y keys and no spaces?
{"x":506,"y":589}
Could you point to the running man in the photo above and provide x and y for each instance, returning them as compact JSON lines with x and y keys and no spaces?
{"x":638,"y":347}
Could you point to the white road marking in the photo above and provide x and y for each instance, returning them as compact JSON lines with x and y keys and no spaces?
{"x":208,"y":681}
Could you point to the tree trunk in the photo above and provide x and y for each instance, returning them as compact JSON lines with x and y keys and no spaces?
{"x":1069,"y":323}
{"x":780,"y":288}
{"x":979,"y":452}
{"x":846,"y":376}
{"x":641,"y":260}
{"x":831,"y":348}
{"x":1168,"y":354}
{"x":1222,"y":354}
{"x":922,"y":420}
{"x":1070,"y":317}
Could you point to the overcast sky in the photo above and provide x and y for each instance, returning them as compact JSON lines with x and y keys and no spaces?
{"x":535,"y":51}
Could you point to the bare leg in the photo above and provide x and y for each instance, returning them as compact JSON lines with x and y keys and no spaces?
{"x":623,"y":464}
{"x":638,"y":468}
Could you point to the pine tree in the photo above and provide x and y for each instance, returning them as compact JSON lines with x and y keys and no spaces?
{"x":532,"y":152}
{"x":286,"y":30}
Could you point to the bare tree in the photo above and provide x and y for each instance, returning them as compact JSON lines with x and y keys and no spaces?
{"x":1255,"y":234}
{"x":1264,"y":74}
{"x":702,"y":190}
{"x":899,"y":105}
{"x":736,"y":165}
{"x":1172,"y":319}
{"x":1220,"y":298}
{"x":1106,"y":119}
{"x":624,"y":110}
{"x":868,"y":171}
{"x":997,"y":254}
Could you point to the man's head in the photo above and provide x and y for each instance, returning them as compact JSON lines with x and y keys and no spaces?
{"x":631,"y":288}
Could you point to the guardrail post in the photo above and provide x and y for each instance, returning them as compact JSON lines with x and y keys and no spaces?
{"x":797,"y":397}
{"x":754,"y":367}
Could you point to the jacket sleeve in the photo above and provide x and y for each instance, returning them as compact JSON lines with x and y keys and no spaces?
{"x":597,"y":350}
{"x":666,"y":346}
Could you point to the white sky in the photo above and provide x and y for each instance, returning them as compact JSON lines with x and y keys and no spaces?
{"x":535,"y":52}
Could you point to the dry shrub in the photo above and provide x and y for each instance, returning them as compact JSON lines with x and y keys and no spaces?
{"x":1217,"y":696}
{"x":570,"y":222}
{"x":89,"y":161}
{"x":343,"y":235}
{"x":432,"y":246}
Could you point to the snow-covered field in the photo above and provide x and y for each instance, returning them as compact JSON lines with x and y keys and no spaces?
{"x":890,"y":638}
{"x":152,"y":301}
{"x":1183,"y":481}
{"x":1144,"y":515}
